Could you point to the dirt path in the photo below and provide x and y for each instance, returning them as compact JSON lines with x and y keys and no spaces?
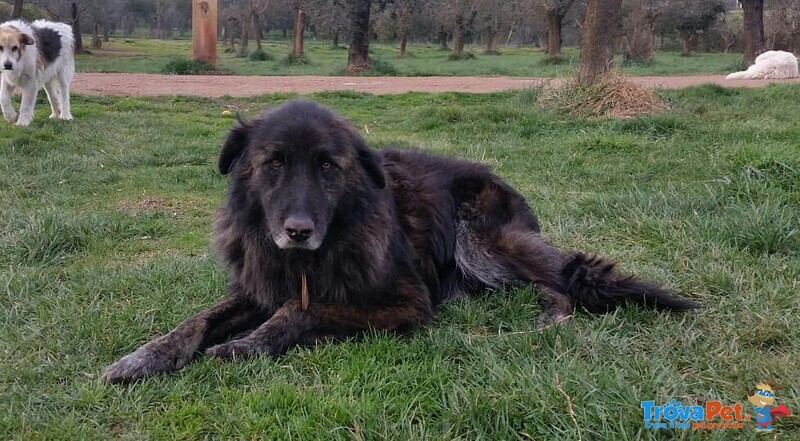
{"x":217,"y":85}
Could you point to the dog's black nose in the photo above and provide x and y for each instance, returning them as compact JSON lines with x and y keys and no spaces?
{"x":8,"y":66}
{"x":298,"y":228}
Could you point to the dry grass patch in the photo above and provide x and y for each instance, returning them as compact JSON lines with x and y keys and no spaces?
{"x":145,"y":204}
{"x":611,"y":96}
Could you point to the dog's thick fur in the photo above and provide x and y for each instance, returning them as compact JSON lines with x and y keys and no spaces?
{"x":32,"y":56}
{"x":382,"y":237}
{"x":771,"y":65}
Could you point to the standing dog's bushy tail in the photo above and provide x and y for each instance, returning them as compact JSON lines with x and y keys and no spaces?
{"x":592,"y":283}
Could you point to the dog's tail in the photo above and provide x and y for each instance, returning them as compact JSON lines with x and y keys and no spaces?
{"x":591,"y":282}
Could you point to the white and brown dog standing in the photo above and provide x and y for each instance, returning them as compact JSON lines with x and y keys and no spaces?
{"x":32,"y":56}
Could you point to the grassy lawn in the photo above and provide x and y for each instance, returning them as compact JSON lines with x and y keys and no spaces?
{"x":104,"y":244}
{"x":139,"y":55}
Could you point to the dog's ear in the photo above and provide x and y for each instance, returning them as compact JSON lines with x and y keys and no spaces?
{"x":233,"y":146}
{"x":25,"y":39}
{"x":371,"y":161}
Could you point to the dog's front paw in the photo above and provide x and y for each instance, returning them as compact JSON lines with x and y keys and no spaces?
{"x":236,"y":349}
{"x":152,"y":358}
{"x":22,"y":123}
{"x":551,"y":318}
{"x":10,"y":117}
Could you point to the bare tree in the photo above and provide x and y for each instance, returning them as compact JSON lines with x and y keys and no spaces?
{"x":600,"y":29}
{"x":690,"y":18}
{"x":555,"y":11}
{"x":358,"y":59}
{"x":257,"y":9}
{"x":753,"y":35}
{"x":299,"y":14}
{"x":782,"y":20}
{"x":496,"y":16}
{"x":328,"y":15}
{"x":462,"y":15}
{"x":640,"y":18}
{"x":17,"y":11}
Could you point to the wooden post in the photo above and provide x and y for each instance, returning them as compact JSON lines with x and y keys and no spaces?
{"x":204,"y":31}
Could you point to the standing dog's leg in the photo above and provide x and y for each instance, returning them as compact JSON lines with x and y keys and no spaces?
{"x":291,"y":325}
{"x":51,"y":89}
{"x":64,"y":79}
{"x":27,"y":105}
{"x":174,"y":350}
{"x":6,"y":90}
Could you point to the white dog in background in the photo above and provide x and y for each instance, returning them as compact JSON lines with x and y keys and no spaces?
{"x":32,"y":56}
{"x":773,"y":65}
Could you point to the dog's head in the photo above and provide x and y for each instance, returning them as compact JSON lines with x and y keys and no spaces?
{"x":302,"y":164}
{"x":12,"y":45}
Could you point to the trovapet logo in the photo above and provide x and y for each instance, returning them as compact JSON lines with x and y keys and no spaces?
{"x":714,"y":415}
{"x":674,"y":415}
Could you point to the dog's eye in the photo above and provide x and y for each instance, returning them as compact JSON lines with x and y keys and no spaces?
{"x":326,"y":165}
{"x":13,"y":49}
{"x":1,"y":48}
{"x":277,"y":163}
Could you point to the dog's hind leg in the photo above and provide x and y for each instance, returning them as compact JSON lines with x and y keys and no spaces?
{"x":512,"y":256}
{"x":51,"y":89}
{"x":174,"y":350}
{"x":64,"y":79}
{"x":498,"y":243}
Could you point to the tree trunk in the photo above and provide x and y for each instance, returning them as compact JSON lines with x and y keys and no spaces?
{"x":297,"y":48}
{"x":403,"y":41}
{"x":491,"y":39}
{"x":76,"y":29}
{"x":358,"y":54}
{"x":230,"y":33}
{"x":335,"y":39}
{"x":244,"y":24}
{"x":554,"y":21}
{"x":256,"y":22}
{"x":442,"y":37}
{"x":795,"y":41}
{"x":753,"y":30}
{"x":687,"y":44}
{"x":597,"y":42}
{"x":458,"y":35}
{"x":729,"y":42}
{"x":640,"y":40}
{"x":17,"y":11}
{"x":97,"y":38}
{"x":510,"y":32}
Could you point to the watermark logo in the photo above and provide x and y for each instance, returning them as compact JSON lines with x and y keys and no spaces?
{"x":674,"y":415}
{"x":714,"y":414}
{"x":763,"y":401}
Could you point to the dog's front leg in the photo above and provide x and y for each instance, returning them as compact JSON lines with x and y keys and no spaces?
{"x":27,"y":104}
{"x":6,"y":90}
{"x":291,"y":325}
{"x":174,"y":350}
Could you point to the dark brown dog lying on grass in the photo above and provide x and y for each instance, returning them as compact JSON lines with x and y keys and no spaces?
{"x":326,"y":238}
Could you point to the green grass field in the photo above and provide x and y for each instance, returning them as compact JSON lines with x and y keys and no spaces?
{"x":104,"y":244}
{"x":141,"y":55}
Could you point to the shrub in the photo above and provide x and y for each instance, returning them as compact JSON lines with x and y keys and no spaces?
{"x":292,"y":60}
{"x":185,"y":66}
{"x":461,"y":56}
{"x":260,"y":55}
